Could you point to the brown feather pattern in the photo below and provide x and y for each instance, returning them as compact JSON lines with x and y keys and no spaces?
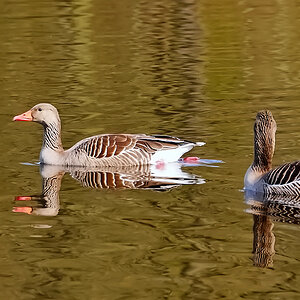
{"x":264,"y":140}
{"x":122,"y":149}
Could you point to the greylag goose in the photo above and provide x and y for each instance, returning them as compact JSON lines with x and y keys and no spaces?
{"x":102,"y":150}
{"x":260,"y":177}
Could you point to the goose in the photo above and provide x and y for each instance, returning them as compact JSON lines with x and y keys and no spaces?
{"x":114,"y":150}
{"x":260,"y":177}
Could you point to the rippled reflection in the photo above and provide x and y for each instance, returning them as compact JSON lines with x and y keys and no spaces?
{"x":168,"y":59}
{"x":152,"y":177}
{"x":266,"y":210}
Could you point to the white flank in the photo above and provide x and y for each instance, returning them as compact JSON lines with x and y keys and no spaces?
{"x":171,"y":155}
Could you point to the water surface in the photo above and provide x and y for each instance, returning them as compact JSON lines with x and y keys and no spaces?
{"x":194,"y":69}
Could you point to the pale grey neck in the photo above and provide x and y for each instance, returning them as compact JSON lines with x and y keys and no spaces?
{"x":52,"y":137}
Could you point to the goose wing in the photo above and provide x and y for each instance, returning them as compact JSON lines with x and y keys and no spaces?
{"x":284,"y":174}
{"x":102,"y":146}
{"x":151,"y":144}
{"x":112,"y":145}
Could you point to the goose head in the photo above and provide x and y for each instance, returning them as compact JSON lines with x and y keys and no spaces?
{"x":43,"y":113}
{"x":265,"y":123}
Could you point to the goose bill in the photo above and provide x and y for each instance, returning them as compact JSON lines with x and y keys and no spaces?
{"x":26,"y":116}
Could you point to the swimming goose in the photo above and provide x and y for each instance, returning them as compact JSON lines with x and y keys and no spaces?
{"x":105,"y":150}
{"x":260,"y":177}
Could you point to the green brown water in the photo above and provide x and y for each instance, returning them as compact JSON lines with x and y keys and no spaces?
{"x":194,"y":69}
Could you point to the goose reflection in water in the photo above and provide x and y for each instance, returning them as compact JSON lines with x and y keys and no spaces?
{"x":134,"y":177}
{"x":266,"y":210}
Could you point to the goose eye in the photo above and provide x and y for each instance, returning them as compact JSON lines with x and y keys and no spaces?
{"x":39,"y":109}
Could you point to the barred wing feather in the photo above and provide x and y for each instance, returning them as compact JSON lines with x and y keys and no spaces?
{"x":284,"y":180}
{"x":284,"y":174}
{"x":112,"y":145}
{"x":101,"y":146}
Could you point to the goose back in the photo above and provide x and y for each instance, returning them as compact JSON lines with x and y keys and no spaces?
{"x":284,"y":180}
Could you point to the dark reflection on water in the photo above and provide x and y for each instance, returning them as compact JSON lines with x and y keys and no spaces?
{"x":151,"y":177}
{"x":170,"y":66}
{"x":266,"y":210}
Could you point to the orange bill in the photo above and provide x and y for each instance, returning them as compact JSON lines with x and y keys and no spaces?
{"x":26,"y":116}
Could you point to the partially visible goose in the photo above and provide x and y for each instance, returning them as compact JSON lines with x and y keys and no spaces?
{"x":260,"y":176}
{"x":102,"y":150}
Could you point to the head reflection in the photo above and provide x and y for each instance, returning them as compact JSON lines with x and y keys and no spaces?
{"x":133,"y":177}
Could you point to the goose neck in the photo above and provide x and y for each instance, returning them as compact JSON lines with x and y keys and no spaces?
{"x":52,"y":137}
{"x":263,"y":151}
